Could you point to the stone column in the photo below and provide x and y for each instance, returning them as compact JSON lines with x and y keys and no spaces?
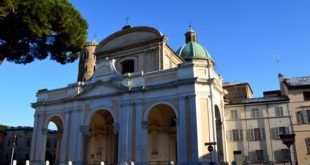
{"x":139,"y":132}
{"x":64,"y":141}
{"x":125,"y":133}
{"x":181,"y":133}
{"x":85,"y":131}
{"x":79,"y":145}
{"x":35,"y":136}
{"x":38,"y":142}
{"x":144,"y":141}
{"x":193,"y":130}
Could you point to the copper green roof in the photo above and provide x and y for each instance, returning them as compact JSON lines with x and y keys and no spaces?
{"x":192,"y":50}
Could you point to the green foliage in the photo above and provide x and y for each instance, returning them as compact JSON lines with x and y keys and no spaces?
{"x":3,"y":127}
{"x":36,"y":29}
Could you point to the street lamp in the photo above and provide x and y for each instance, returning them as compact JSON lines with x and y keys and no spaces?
{"x":210,"y":149}
{"x":14,"y":142}
{"x":288,"y":140}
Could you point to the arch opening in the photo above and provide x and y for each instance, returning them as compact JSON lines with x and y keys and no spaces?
{"x":53,"y":140}
{"x":219,"y":134}
{"x":102,"y":141}
{"x":162,"y":134}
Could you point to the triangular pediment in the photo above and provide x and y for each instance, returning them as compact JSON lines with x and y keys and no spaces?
{"x":101,"y":88}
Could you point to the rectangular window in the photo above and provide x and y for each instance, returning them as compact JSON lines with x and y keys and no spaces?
{"x":307,"y":140}
{"x":303,"y":116}
{"x":256,"y":134}
{"x":300,"y":117}
{"x":259,"y":155}
{"x":255,"y":113}
{"x":279,"y":111}
{"x":308,"y":115}
{"x":234,"y":115}
{"x":236,"y":135}
{"x":306,"y":95}
{"x":285,"y":154}
{"x":281,"y":130}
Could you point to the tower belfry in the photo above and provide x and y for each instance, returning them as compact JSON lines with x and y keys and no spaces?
{"x":87,"y":64}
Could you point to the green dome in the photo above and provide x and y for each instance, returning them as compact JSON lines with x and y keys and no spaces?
{"x":192,"y":50}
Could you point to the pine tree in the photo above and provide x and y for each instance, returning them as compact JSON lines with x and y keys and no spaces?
{"x":36,"y":29}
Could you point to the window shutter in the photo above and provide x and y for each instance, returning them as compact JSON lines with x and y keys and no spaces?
{"x":287,"y":130}
{"x":276,"y":132}
{"x":241,"y":134}
{"x":305,"y":116}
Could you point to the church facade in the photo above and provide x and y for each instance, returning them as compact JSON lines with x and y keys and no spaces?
{"x":136,"y":100}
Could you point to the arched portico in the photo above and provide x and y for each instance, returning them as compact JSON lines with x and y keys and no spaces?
{"x":162,"y":134}
{"x":101,"y":141}
{"x":52,"y":148}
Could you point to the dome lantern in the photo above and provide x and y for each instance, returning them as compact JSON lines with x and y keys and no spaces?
{"x":191,"y":49}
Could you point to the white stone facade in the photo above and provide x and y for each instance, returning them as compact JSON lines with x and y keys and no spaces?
{"x":166,"y":110}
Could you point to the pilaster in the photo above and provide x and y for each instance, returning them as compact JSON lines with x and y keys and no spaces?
{"x":181,"y":133}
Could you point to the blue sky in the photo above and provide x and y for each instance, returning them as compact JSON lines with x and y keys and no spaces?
{"x":242,"y":36}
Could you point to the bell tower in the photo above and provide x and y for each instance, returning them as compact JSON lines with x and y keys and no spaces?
{"x":87,"y":64}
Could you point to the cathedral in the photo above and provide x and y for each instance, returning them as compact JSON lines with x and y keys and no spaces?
{"x":138,"y":101}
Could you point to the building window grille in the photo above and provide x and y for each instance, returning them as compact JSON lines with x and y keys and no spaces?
{"x":307,"y":140}
{"x":256,"y":134}
{"x":306,"y":95}
{"x":279,"y":111}
{"x":255,"y":113}
{"x":236,"y":135}
{"x":128,"y":66}
{"x":234,"y":115}
{"x":281,"y":130}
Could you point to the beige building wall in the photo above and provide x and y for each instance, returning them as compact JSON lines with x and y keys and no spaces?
{"x":240,"y":118}
{"x":302,"y":130}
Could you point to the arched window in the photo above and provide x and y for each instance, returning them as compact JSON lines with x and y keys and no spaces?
{"x":85,"y":55}
{"x":128,"y":66}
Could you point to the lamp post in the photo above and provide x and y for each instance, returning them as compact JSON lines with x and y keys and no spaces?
{"x":14,"y":142}
{"x":210,"y":149}
{"x":288,"y":140}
